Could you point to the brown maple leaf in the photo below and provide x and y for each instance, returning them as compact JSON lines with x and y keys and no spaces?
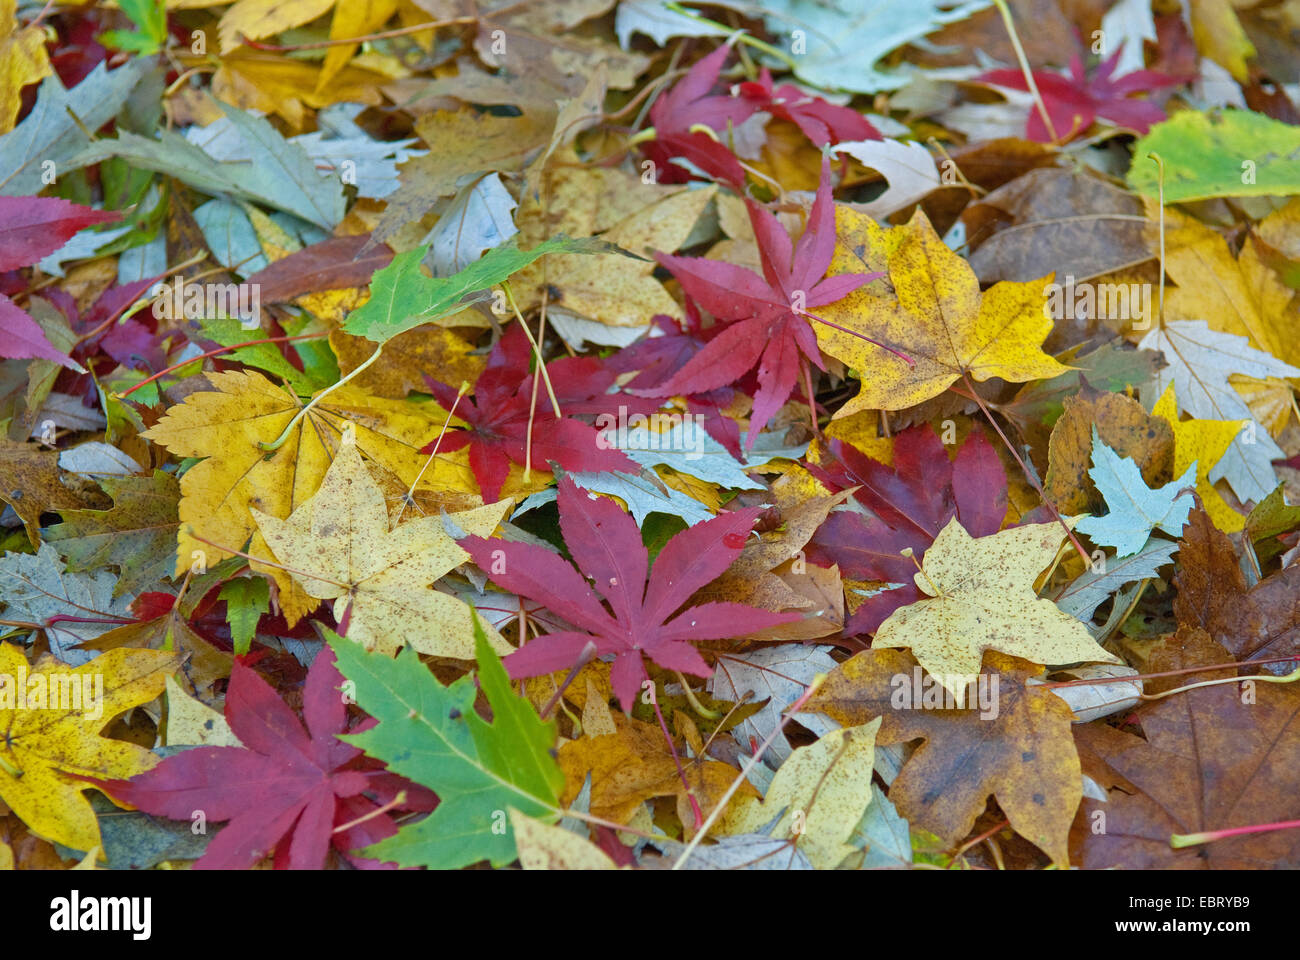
{"x":1213,"y":758}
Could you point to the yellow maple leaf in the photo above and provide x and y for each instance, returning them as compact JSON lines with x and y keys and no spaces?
{"x":256,"y":19}
{"x":1202,"y":442}
{"x":980,"y":596}
{"x":45,"y":741}
{"x":226,"y":426}
{"x":1241,"y":295}
{"x":340,"y":547}
{"x":353,"y":18}
{"x":23,"y":60}
{"x":939,"y":320}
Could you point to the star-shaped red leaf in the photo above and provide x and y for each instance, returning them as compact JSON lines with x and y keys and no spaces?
{"x":606,"y":545}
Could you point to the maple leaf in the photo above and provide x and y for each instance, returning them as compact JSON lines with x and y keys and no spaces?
{"x":1200,"y":362}
{"x":765,"y":314}
{"x":501,"y":412}
{"x":284,"y":790}
{"x":821,"y":122}
{"x":339,"y":546}
{"x":1201,"y":443}
{"x":432,"y":734}
{"x":45,"y":748}
{"x":979,"y":595}
{"x":1073,"y":102}
{"x":1261,"y":621}
{"x":1209,"y":759}
{"x":138,"y":533}
{"x":1026,"y":757}
{"x":657,"y":358}
{"x":690,"y":104}
{"x":607,"y":546}
{"x":227,"y":425}
{"x":909,"y":504}
{"x":939,"y":321}
{"x":31,"y":228}
{"x":1135,"y":510}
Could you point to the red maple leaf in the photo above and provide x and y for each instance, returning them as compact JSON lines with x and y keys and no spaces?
{"x":1073,"y":102}
{"x":821,"y":122}
{"x":767,"y":315}
{"x":908,"y":505}
{"x":286,"y":789}
{"x":499,"y":411}
{"x":658,"y":358}
{"x":690,"y":104}
{"x":607,"y":546}
{"x":32,"y":228}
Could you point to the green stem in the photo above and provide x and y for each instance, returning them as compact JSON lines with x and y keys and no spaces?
{"x":745,"y":38}
{"x":1024,"y":66}
{"x":278,"y":442}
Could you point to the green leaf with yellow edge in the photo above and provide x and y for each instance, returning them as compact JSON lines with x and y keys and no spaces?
{"x":979,"y":595}
{"x":46,"y":747}
{"x":940,"y":321}
{"x":339,"y":546}
{"x":432,"y":734}
{"x":1224,"y":153}
{"x":820,"y":793}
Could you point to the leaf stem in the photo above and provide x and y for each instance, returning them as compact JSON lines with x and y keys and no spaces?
{"x":278,"y":442}
{"x":365,"y":38}
{"x":410,"y":494}
{"x":750,"y":764}
{"x":1024,"y":67}
{"x":743,"y":37}
{"x":1179,"y":840}
{"x":213,"y":353}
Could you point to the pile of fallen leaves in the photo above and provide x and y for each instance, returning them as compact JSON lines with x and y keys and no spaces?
{"x":639,"y":434}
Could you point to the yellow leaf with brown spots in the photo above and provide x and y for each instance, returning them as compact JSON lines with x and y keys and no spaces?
{"x":634,"y":765}
{"x":340,"y":546}
{"x":1123,"y":426}
{"x":41,"y":747}
{"x":226,"y":424}
{"x":979,"y":595}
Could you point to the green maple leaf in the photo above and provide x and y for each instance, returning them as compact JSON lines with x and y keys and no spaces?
{"x":431,"y":734}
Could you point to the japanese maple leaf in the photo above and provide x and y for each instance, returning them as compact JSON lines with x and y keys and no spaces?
{"x":691,"y":104}
{"x":766,"y":314}
{"x":286,"y":789}
{"x":657,"y":358}
{"x":909,"y":504}
{"x":606,"y":544}
{"x":1075,"y":101}
{"x":498,"y":415}
{"x":32,"y":228}
{"x":821,"y":122}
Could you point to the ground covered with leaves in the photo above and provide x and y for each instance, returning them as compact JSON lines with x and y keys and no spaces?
{"x":607,"y":434}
